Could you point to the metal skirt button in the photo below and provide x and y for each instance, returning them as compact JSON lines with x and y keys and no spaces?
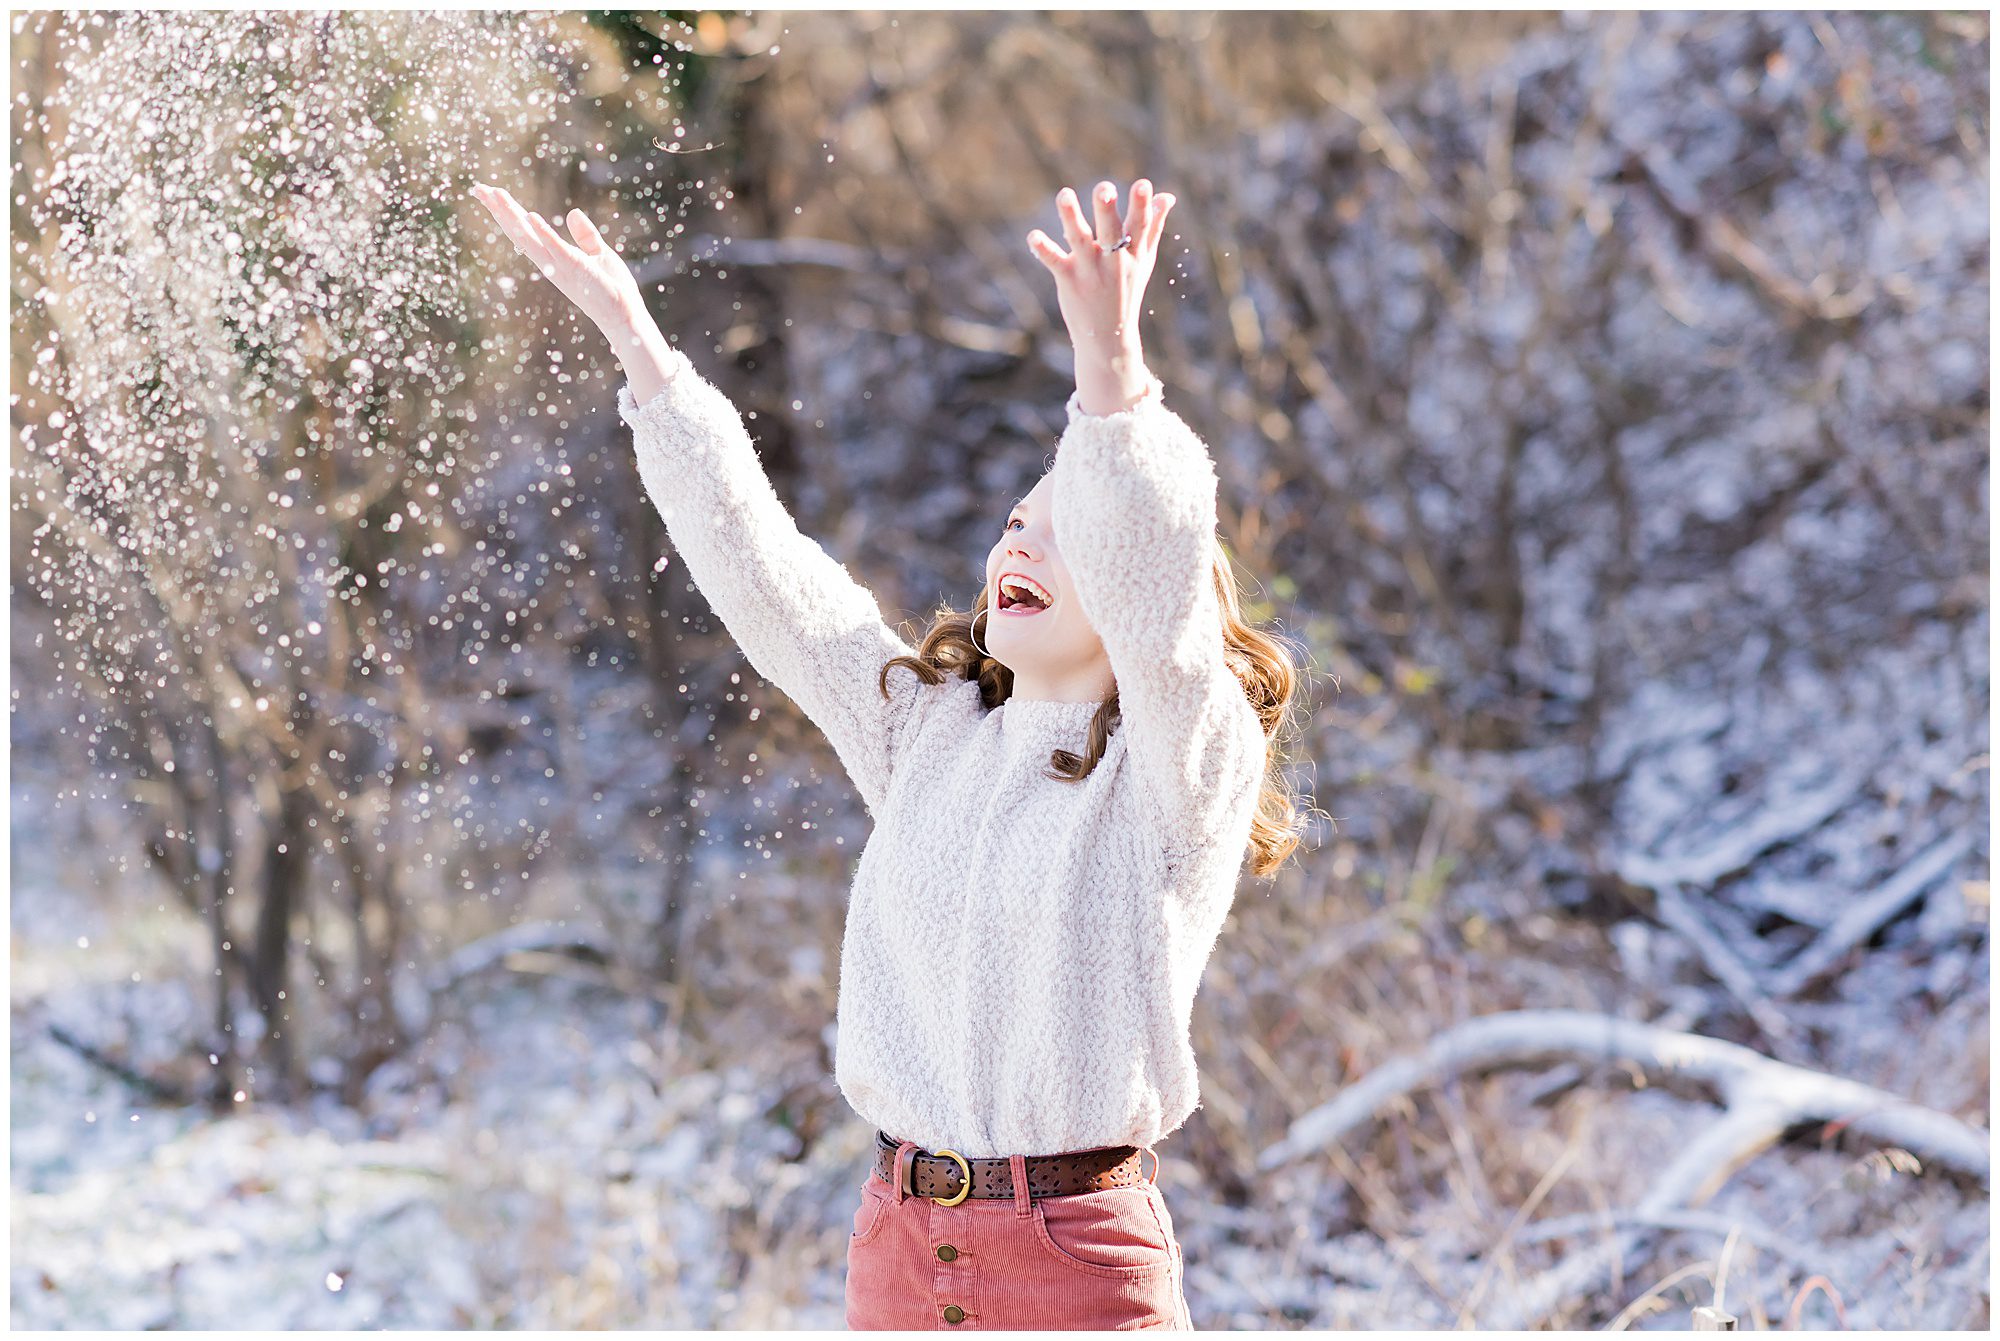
{"x":947,"y":1253}
{"x":954,"y":1314}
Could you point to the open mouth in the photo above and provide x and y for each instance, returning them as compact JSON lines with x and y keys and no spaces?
{"x":1022,"y":597}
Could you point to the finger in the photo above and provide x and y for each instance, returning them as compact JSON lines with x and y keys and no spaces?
{"x":1163,"y":204}
{"x":588,"y":240}
{"x":1106,"y":200}
{"x":552,"y":241}
{"x":521,"y":235}
{"x":1075,"y":231}
{"x":505,"y":208}
{"x":490,"y":198}
{"x":1139,"y":215}
{"x":1045,"y":249}
{"x":513,"y":222}
{"x":545,"y":247}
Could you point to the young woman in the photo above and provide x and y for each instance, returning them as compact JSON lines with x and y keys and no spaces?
{"x":1064,"y":782}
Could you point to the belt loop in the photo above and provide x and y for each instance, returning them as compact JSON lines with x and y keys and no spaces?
{"x":906,"y":1159}
{"x":1023,"y":1203}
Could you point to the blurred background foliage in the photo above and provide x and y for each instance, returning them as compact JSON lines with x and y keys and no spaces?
{"x":1601,"y":407}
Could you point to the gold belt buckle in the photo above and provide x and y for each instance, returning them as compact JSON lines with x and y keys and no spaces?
{"x":965,"y":1171}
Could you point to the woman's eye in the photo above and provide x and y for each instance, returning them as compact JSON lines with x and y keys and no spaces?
{"x":1013,"y":521}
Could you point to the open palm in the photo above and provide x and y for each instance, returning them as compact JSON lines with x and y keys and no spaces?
{"x":1101,"y":280}
{"x":589,"y":273}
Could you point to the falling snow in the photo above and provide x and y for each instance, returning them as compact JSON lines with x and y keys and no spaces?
{"x":327,"y":561}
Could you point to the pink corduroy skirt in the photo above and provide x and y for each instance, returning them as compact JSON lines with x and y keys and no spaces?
{"x":1090,"y":1260}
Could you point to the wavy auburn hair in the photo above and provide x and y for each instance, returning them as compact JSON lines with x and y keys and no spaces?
{"x":1262,"y":663}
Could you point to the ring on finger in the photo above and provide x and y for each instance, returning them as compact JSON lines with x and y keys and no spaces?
{"x":1124,"y":241}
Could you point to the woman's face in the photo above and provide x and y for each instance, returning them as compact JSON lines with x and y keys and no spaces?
{"x":1052,"y":651}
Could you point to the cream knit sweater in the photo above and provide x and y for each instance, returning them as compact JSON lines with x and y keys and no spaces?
{"x":1021,"y":954}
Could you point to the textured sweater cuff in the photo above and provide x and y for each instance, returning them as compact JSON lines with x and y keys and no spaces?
{"x":1156,"y":391}
{"x":679,"y":370}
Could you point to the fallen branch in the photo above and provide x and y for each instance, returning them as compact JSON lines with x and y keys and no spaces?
{"x":1861,"y":919}
{"x":1762,"y":1098}
{"x":1678,"y":912}
{"x":706,"y":249}
{"x":1744,"y":1078}
{"x":488,"y":951}
{"x":1785,"y":818}
{"x":1701,"y":1168}
{"x":164,"y":1091}
{"x":608,"y":976}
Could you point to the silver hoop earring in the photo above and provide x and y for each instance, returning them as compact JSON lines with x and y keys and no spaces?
{"x":972,"y":632}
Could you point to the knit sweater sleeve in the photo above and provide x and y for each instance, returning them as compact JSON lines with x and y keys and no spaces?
{"x":1134,"y":516}
{"x":801,"y":620}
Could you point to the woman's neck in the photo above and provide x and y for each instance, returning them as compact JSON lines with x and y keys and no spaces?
{"x":1086,"y":684}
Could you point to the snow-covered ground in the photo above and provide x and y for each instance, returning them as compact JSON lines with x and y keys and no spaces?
{"x":543,"y":1183}
{"x":548,"y":1159}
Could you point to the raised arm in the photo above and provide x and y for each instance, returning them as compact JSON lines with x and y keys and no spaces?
{"x":1134,"y":515}
{"x":802,"y":621}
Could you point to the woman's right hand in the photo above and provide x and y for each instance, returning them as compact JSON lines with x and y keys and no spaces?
{"x":589,"y":273}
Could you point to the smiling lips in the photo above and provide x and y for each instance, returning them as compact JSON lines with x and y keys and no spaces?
{"x":1024,"y":603}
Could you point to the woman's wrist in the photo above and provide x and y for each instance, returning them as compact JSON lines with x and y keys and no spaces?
{"x":648,"y":360}
{"x":1110,"y":380}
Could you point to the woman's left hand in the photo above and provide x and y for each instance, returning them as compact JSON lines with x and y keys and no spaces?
{"x":1100,"y":285}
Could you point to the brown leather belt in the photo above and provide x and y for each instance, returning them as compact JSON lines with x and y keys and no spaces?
{"x":941,"y":1178}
